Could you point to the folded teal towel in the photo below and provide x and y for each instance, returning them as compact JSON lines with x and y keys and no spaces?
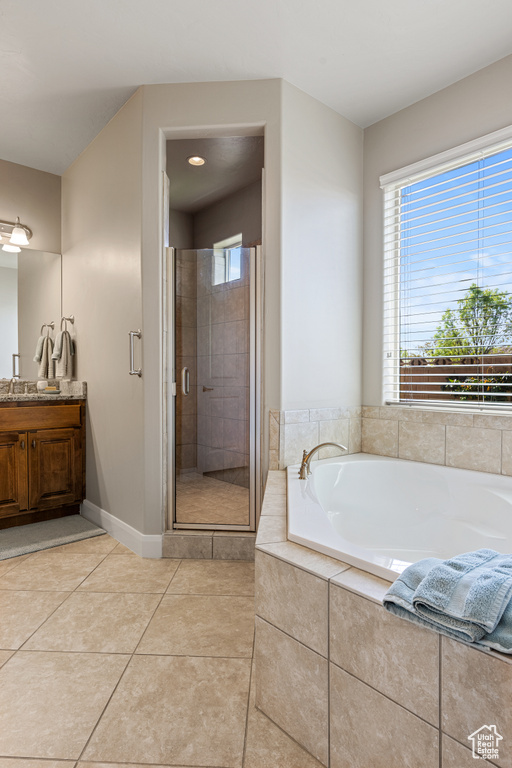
{"x":467,"y":597}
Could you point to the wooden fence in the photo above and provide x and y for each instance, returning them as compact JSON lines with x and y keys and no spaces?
{"x":424,"y":379}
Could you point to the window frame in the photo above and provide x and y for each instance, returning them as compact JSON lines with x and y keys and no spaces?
{"x":392,"y":184}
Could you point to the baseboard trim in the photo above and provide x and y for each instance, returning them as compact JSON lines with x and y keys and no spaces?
{"x":140,"y":543}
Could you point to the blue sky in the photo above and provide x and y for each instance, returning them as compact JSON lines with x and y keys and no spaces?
{"x":458,"y":222}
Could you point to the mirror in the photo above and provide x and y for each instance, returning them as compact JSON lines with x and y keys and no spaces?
{"x":30,"y":295}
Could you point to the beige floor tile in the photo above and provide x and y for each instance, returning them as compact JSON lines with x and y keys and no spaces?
{"x":213,"y":577}
{"x":81,"y":764}
{"x":197,"y":625}
{"x":122,"y":550}
{"x":95,"y":545}
{"x":130,"y":574}
{"x":15,"y":762}
{"x":10,"y":563}
{"x":96,"y":622}
{"x":51,"y":702}
{"x":45,"y":572}
{"x":173,"y":711}
{"x":5,"y":656}
{"x":23,"y":612}
{"x":267,"y":746}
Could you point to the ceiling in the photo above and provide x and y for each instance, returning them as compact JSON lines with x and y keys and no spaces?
{"x":67,"y":66}
{"x":231,"y":164}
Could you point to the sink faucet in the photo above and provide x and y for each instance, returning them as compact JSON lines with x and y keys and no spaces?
{"x":306,"y":458}
{"x":11,"y":385}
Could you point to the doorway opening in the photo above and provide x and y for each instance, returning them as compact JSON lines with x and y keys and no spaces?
{"x":215,"y":232}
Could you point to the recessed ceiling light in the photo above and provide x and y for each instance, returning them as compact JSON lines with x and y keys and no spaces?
{"x":196,"y":160}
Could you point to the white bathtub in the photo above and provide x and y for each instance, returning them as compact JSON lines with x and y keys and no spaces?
{"x":382,"y":514}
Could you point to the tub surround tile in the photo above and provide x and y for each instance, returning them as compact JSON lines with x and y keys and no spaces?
{"x":303,"y":614}
{"x":299,"y":437}
{"x":276,"y":484}
{"x":96,"y":623}
{"x":271,"y":529}
{"x":23,"y":612}
{"x":65,"y":691}
{"x":355,"y":436}
{"x":172,"y":711}
{"x":506,"y":453}
{"x":291,"y":688}
{"x":370,"y":412}
{"x":50,"y":572}
{"x":492,"y":421}
{"x":296,"y":417}
{"x":274,"y":506}
{"x":201,"y":625}
{"x":380,"y":437}
{"x":455,"y":755}
{"x":215,"y":577}
{"x":327,"y":414}
{"x":471,"y":448}
{"x":382,"y":651}
{"x":361,"y":583}
{"x":335,"y":431}
{"x":475,"y":687}
{"x":319,"y":565}
{"x":421,"y":442}
{"x":367,"y":729}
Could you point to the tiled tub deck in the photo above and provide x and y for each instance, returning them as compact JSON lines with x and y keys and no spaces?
{"x":354,"y":685}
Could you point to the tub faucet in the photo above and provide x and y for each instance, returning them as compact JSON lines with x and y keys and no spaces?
{"x":304,"y":470}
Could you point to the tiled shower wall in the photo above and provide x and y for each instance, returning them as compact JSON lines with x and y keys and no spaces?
{"x":481,"y":442}
{"x":291,"y":432}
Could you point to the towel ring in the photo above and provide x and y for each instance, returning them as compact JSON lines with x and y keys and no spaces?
{"x":65,"y":320}
{"x":47,"y":325}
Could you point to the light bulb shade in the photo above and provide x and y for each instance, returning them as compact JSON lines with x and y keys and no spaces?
{"x":19,"y":235}
{"x":11,"y":248}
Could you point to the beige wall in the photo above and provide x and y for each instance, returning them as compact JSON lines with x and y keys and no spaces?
{"x":240,"y":212}
{"x":471,"y":108}
{"x":181,"y":230}
{"x":101,"y":236}
{"x":34,"y":196}
{"x":321,"y":257}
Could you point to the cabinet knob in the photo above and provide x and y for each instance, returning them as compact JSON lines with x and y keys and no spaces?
{"x":22,"y":445}
{"x":33,"y":443}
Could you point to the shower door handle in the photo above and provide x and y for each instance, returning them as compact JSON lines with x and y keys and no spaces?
{"x":134,"y":335}
{"x":185,"y":381}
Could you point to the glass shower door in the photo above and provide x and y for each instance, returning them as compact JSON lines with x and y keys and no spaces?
{"x":214,"y":403}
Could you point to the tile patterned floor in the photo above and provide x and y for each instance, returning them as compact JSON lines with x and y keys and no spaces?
{"x":205,"y":500}
{"x":108,"y":661}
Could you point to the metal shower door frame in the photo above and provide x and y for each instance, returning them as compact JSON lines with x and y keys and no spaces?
{"x":255,"y":310}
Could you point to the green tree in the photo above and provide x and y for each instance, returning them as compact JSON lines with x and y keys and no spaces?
{"x":481,"y":323}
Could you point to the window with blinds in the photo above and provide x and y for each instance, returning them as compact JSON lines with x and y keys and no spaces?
{"x":448,"y":282}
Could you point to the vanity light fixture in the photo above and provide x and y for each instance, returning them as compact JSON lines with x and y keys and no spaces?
{"x":196,"y":160}
{"x":18,"y":234}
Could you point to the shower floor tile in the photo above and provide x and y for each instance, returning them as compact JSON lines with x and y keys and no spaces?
{"x":79,"y":694}
{"x":201,"y":499}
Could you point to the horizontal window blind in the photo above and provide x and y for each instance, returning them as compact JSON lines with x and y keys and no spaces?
{"x":448,"y":282}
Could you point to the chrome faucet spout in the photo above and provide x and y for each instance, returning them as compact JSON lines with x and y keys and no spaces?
{"x":304,"y":470}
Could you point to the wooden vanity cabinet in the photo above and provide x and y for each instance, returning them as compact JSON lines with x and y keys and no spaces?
{"x":42,"y":460}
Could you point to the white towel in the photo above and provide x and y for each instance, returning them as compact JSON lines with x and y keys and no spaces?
{"x":64,"y":365}
{"x":39,"y":349}
{"x":45,"y":370}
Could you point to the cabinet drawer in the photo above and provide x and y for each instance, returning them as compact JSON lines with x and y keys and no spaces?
{"x":40,"y":417}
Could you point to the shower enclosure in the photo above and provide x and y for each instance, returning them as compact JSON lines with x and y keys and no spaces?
{"x":213,"y":413}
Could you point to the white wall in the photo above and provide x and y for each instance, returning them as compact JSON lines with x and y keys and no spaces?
{"x":240,"y":212}
{"x":473,"y":107}
{"x":34,"y":196}
{"x":101,"y":236}
{"x":321,"y":255}
{"x":8,"y":317}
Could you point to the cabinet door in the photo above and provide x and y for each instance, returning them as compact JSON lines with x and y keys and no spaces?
{"x":55,"y":467}
{"x":13,"y":473}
